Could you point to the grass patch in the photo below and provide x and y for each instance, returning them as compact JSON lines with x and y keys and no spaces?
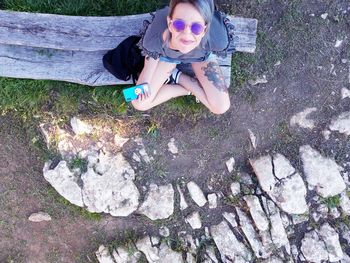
{"x":241,"y":69}
{"x":332,"y":202}
{"x":83,"y":7}
{"x":66,"y":206}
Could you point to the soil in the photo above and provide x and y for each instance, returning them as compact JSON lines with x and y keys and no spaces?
{"x":311,"y":73}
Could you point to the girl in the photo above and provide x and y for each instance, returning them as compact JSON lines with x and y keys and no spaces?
{"x":188,"y":31}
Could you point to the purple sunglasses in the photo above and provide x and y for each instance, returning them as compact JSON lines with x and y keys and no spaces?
{"x":180,"y":25}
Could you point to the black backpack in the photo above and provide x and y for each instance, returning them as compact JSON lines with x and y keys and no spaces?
{"x":126,"y":60}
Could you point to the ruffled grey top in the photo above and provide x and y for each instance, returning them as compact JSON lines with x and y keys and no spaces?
{"x":218,"y":40}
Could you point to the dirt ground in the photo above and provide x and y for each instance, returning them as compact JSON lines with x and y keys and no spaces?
{"x":295,"y":50}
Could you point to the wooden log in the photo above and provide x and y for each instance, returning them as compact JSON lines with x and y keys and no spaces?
{"x":83,"y":67}
{"x":91,"y":33}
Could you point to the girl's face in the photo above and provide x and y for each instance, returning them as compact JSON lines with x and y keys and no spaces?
{"x":190,"y":37}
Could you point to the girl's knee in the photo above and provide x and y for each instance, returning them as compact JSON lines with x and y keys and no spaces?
{"x":220,"y":107}
{"x":140,"y":105}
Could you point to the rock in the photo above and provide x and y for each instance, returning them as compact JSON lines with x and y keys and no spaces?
{"x":79,"y":127}
{"x":121,"y":255}
{"x":345,"y":93}
{"x":284,"y":186}
{"x":108,"y":187}
{"x":151,"y":252}
{"x":322,"y":172}
{"x":65,"y":182}
{"x":183,"y":204}
{"x":257,"y":212}
{"x":194,"y":220}
{"x":142,"y":151}
{"x":164,"y":231}
{"x":172,"y":147}
{"x":235,"y":188}
{"x":324,"y":15}
{"x":212,"y":198}
{"x":313,"y":248}
{"x":301,"y":119}
{"x":159,"y":203}
{"x":227,"y":243}
{"x":273,"y":259}
{"x":103,"y":255}
{"x":334,"y":212}
{"x":278,"y":233}
{"x":338,"y":43}
{"x":326,"y":134}
{"x":298,"y":219}
{"x":210,"y":254}
{"x":331,"y":239}
{"x":252,"y":138}
{"x":169,"y":256}
{"x":345,"y":203}
{"x":252,"y":237}
{"x":196,"y":194}
{"x":39,"y":217}
{"x":231,"y":218}
{"x":120,"y":141}
{"x":341,"y":124}
{"x":230,"y":164}
{"x":258,"y":80}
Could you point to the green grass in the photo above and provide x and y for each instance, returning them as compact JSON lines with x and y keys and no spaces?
{"x":332,"y":202}
{"x":83,"y":7}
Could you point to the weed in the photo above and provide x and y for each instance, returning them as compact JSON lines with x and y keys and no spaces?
{"x":79,"y":163}
{"x":176,"y":244}
{"x":241,"y":69}
{"x":153,"y":129}
{"x":332,"y":202}
{"x":232,"y":200}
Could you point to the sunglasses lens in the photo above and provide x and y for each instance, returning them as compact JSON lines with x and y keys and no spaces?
{"x":197,"y":28}
{"x":179,"y":25}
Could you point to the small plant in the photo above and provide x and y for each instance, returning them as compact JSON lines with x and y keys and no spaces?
{"x":153,"y":129}
{"x":332,"y":202}
{"x":79,"y":163}
{"x":232,"y":200}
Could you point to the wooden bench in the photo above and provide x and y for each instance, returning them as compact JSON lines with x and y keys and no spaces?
{"x":70,"y":48}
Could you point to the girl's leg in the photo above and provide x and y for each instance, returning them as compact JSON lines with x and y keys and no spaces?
{"x":155,"y":72}
{"x":212,"y":81}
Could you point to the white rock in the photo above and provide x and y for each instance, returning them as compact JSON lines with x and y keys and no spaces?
{"x":345,"y":203}
{"x":228,"y":244}
{"x":338,"y":43}
{"x":252,"y":138}
{"x":253,"y":239}
{"x":278,"y":233}
{"x":79,"y":127}
{"x":196,"y":194}
{"x":151,"y":252}
{"x":65,"y":182}
{"x":231,"y":218}
{"x":159,"y":203}
{"x":183,"y":204}
{"x":331,"y":238}
{"x":142,"y":151}
{"x":121,"y":255}
{"x":230,"y":164}
{"x":321,"y":172}
{"x":172,"y":147}
{"x":194,"y":220}
{"x":334,"y":212}
{"x":273,"y":260}
{"x":297,"y":219}
{"x":136,"y":157}
{"x":235,"y":188}
{"x":341,"y":124}
{"x":168,"y":255}
{"x":257,"y":212}
{"x":39,"y":217}
{"x":213,"y":200}
{"x":301,"y":119}
{"x":210,"y":253}
{"x":164,"y":231}
{"x":109,"y":187}
{"x":289,"y":192}
{"x":103,"y":255}
{"x":313,"y":248}
{"x":326,"y":134}
{"x":120,"y":141}
{"x":258,"y":80}
{"x":324,"y":15}
{"x":345,"y":93}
